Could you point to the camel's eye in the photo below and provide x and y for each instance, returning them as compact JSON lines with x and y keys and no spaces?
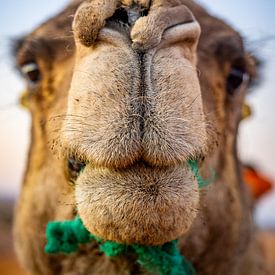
{"x":74,"y":168}
{"x":236,"y":77}
{"x":32,"y":73}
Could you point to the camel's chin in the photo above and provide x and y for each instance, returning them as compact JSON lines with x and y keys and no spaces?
{"x":138,"y":205}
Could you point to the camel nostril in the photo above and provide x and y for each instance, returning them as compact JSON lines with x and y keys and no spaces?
{"x":74,"y":168}
{"x":120,"y":15}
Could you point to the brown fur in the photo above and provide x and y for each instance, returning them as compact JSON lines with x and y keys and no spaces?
{"x":129,"y":101}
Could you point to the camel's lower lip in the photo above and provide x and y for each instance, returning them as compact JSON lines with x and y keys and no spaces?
{"x":141,"y":204}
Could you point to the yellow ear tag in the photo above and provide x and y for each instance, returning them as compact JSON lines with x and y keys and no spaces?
{"x":24,"y":99}
{"x":246,"y":111}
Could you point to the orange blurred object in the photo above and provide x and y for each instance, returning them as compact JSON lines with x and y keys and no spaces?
{"x":257,"y":183}
{"x":9,"y":265}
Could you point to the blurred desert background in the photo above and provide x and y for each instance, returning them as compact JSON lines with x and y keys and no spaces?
{"x":254,"y":19}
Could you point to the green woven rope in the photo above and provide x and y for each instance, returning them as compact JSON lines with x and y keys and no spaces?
{"x":65,"y":237}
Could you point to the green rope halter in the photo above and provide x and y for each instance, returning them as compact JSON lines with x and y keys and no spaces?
{"x":165,"y":260}
{"x":65,"y":237}
{"x":195,"y":169}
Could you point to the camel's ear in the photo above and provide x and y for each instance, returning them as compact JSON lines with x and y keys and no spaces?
{"x":166,"y":25}
{"x":254,"y":67}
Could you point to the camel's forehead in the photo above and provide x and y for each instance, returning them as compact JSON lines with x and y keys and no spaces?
{"x":57,"y":32}
{"x":50,"y":38}
{"x":62,"y":21}
{"x":58,"y":24}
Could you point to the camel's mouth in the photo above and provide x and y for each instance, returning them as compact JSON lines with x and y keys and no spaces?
{"x":138,"y":205}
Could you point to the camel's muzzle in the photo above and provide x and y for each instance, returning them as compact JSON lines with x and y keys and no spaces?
{"x":135,"y":117}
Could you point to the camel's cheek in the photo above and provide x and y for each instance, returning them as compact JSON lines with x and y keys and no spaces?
{"x":141,"y":205}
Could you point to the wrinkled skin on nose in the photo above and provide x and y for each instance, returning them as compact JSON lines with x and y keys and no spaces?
{"x":135,"y":116}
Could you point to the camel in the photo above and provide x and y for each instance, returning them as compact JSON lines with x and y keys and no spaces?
{"x":122,"y":95}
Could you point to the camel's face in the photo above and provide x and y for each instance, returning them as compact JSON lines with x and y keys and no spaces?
{"x":133,"y":116}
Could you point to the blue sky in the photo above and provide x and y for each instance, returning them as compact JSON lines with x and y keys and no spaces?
{"x":253,"y":19}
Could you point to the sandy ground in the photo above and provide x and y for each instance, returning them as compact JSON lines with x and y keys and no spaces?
{"x":8,"y":262}
{"x":9,"y":265}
